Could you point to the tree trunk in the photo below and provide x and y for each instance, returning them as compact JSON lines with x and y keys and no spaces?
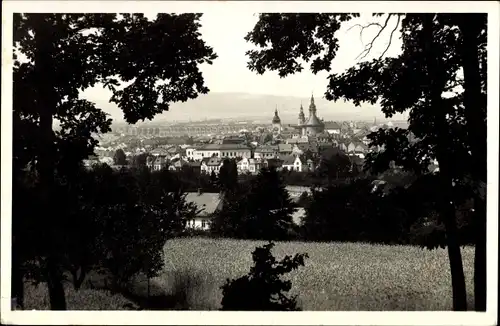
{"x":480,"y":258}
{"x":437,"y":79}
{"x":47,"y":101}
{"x":17,"y":285}
{"x":475,"y":112}
{"x":55,"y":284}
{"x":453,"y":246}
{"x":78,"y":279}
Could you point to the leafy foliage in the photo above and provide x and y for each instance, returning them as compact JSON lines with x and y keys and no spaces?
{"x":285,"y":39}
{"x":228,"y":175}
{"x":58,"y":55}
{"x":139,"y":161}
{"x":445,"y":122}
{"x":269,"y":207}
{"x":120,"y":158}
{"x":258,"y":209}
{"x":116,"y":221}
{"x":262,"y":289}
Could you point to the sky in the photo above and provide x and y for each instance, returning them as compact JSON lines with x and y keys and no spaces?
{"x":224,"y":29}
{"x":229,"y":72}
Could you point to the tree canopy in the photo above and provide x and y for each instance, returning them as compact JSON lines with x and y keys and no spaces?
{"x":147,"y":64}
{"x":435,"y":79}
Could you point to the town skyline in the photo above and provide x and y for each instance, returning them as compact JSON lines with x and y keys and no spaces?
{"x":161,"y":200}
{"x":229,"y":73}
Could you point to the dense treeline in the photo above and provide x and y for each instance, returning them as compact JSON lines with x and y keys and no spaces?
{"x":364,"y":211}
{"x":401,"y":211}
{"x":115,"y":222}
{"x":259,"y":208}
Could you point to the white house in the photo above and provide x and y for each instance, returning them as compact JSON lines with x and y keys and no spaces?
{"x":222,"y":150}
{"x":211,"y":164}
{"x":208,"y":204}
{"x":292,"y":163}
{"x":249,"y":165}
{"x":190,"y":152}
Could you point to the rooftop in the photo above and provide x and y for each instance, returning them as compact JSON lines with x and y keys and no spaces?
{"x":207,"y":202}
{"x":266,"y":149}
{"x":216,"y":147}
{"x":313,"y":121}
{"x":288,"y":159}
{"x":332,"y":125}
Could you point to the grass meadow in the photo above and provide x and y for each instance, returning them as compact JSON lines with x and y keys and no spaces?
{"x":336,"y":277}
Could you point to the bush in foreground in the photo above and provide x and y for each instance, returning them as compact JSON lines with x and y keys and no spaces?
{"x":262,"y":289}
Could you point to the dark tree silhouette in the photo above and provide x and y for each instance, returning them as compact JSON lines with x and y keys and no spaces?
{"x":70,"y":52}
{"x":334,"y":165}
{"x":228,"y":175}
{"x":214,"y":180}
{"x":120,"y":158}
{"x":262,"y":289}
{"x":432,"y":55}
{"x":269,"y":207}
{"x":139,"y":161}
{"x":229,"y":221}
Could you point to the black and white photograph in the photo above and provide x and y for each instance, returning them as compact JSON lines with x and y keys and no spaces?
{"x":250,"y":157}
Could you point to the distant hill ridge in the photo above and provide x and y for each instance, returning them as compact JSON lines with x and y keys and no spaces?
{"x":216,"y":105}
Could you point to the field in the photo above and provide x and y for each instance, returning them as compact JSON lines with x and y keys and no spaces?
{"x":336,"y":276}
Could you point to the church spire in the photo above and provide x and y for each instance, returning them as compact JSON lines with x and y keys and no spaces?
{"x":312,"y":106}
{"x":302,"y":118}
{"x":276,"y":118}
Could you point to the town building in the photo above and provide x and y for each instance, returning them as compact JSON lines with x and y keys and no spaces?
{"x":266,"y":152}
{"x":250,"y":165}
{"x":285,"y":149}
{"x":221,"y":151}
{"x":292,"y":163}
{"x":157,"y":163}
{"x":208,"y":205}
{"x":276,"y":122}
{"x":211,"y":164}
{"x":178,"y":164}
{"x":333,"y":128}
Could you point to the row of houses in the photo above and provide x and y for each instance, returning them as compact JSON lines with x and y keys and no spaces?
{"x":269,"y":151}
{"x":244,"y":164}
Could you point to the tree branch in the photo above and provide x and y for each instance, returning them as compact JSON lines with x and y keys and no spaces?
{"x":363,"y":28}
{"x":390,"y":38}
{"x":369,"y":46}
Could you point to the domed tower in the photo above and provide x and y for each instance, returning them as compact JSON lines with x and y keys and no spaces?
{"x":302,"y":118}
{"x":276,"y":121}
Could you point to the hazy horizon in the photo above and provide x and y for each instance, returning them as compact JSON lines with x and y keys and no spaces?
{"x":229,"y":73}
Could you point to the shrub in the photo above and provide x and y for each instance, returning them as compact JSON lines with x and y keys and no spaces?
{"x":262,"y":289}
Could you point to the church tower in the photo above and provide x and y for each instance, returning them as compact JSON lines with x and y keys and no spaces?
{"x":312,"y":107}
{"x":276,"y":122}
{"x":313,"y":124}
{"x":302,"y":118}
